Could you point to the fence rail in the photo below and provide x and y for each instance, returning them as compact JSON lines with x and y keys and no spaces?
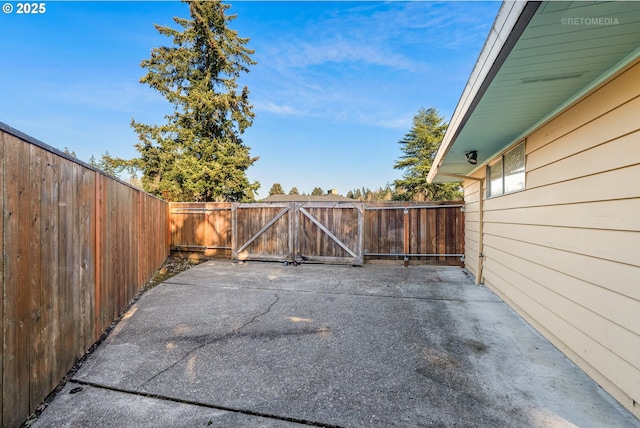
{"x":77,"y":246}
{"x":334,"y":232}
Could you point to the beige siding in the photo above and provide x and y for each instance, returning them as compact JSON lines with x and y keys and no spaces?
{"x":565,"y":251}
{"x":471,"y":225}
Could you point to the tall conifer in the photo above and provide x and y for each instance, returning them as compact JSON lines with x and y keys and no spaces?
{"x":198,"y":154}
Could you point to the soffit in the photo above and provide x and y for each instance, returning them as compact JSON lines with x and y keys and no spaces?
{"x":564,"y":48}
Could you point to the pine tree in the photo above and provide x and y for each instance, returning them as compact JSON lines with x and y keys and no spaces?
{"x":419,"y":147}
{"x":317,"y":191}
{"x":198,"y":154}
{"x":294,"y":191}
{"x":276,"y":189}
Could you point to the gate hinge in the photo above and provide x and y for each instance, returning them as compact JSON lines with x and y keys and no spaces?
{"x":462,"y":208}
{"x":462,"y":258}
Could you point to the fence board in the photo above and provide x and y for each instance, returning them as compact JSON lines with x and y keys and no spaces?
{"x":49,"y":247}
{"x":37,"y":357}
{"x":329,"y":232}
{"x":434,"y":231}
{"x":261,"y":232}
{"x":16,"y":361}
{"x":77,"y":248}
{"x":431,"y":232}
{"x":2,"y":281}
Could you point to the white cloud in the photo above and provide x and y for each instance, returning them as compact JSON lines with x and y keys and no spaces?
{"x":280,"y":109}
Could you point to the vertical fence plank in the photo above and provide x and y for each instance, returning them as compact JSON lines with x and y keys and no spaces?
{"x":88,"y":263}
{"x":50,"y":254}
{"x":386,"y":232}
{"x":65,"y":247}
{"x":3,"y":150}
{"x":98,"y":217}
{"x":37,"y":334}
{"x":16,"y":361}
{"x":63,"y":227}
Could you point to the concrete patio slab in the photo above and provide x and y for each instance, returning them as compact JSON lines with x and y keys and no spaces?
{"x":261,"y":344}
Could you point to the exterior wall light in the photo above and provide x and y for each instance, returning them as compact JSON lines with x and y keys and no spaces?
{"x":472,"y":157}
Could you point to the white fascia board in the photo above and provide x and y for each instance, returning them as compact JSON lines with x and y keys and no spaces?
{"x":504,"y":23}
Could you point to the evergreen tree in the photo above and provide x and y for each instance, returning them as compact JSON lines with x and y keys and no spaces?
{"x":69,"y":152}
{"x":419,"y":147}
{"x":198,"y":154}
{"x":317,"y":191}
{"x":276,"y":189}
{"x":107,"y":164}
{"x":294,"y":191}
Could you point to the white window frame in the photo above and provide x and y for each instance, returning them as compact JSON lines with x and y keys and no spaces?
{"x":499,"y":162}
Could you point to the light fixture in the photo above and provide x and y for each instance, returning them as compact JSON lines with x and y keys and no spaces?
{"x":472,"y":157}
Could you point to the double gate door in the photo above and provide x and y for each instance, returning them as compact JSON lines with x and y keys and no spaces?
{"x":298,"y":232}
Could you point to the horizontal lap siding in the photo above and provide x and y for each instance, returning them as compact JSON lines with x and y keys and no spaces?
{"x":472,"y":194}
{"x":77,"y":246}
{"x":564,"y":252}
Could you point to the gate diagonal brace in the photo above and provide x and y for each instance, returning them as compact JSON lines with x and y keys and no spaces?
{"x":264,"y":228}
{"x":325,"y":230}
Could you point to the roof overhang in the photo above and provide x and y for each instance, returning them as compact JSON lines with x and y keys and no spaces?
{"x":539,"y":58}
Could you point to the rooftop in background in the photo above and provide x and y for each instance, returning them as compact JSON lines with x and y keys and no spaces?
{"x":308,"y":198}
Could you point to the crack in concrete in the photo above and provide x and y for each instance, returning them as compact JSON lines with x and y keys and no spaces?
{"x":232,"y":334}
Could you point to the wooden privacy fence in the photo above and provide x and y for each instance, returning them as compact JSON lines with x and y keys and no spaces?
{"x":77,"y":247}
{"x":338,"y":232}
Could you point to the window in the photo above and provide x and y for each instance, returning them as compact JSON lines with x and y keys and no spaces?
{"x":507,"y":173}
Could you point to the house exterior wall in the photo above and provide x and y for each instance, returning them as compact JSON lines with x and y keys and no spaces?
{"x":565,"y":252}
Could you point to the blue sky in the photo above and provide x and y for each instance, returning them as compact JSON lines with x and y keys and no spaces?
{"x":335,"y":88}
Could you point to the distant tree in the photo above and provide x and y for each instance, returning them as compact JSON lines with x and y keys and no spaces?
{"x":382,"y":194}
{"x":419,"y":147}
{"x":198,"y":155}
{"x":114,"y":166}
{"x":108,"y":164}
{"x":317,"y":191}
{"x":276,"y":189}
{"x":294,"y":191}
{"x":69,"y":152}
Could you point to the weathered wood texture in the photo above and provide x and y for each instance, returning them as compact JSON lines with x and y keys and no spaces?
{"x":201,"y":228}
{"x":323,"y":232}
{"x":426,"y":231}
{"x":77,"y":246}
{"x":330,"y":233}
{"x":262,"y":231}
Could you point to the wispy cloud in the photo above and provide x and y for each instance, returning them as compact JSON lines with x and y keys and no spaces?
{"x":361,"y":63}
{"x":281,"y":109}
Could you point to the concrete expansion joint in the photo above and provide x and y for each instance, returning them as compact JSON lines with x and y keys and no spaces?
{"x":197,"y":403}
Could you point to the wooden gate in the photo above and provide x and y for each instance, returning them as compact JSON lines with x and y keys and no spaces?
{"x":329,"y":232}
{"x":297,"y":232}
{"x":262,"y":231}
{"x":325,"y":232}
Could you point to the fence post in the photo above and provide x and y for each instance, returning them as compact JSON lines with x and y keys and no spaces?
{"x":405,"y":243}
